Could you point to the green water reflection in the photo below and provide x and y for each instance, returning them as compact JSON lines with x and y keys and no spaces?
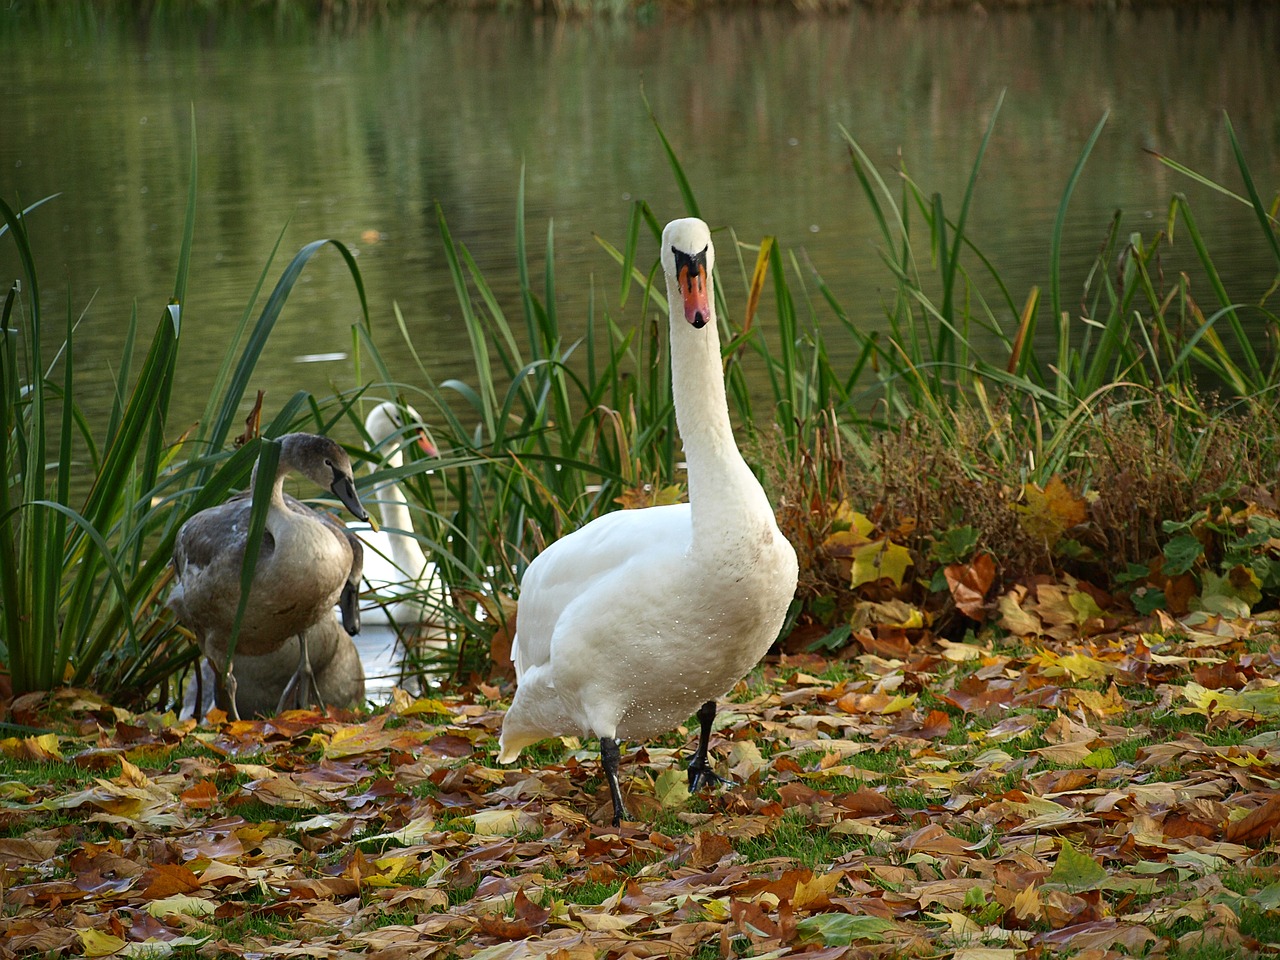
{"x":356,"y":134}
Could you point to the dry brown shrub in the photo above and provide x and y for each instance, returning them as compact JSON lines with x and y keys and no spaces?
{"x":1135,"y":466}
{"x":1148,"y":466}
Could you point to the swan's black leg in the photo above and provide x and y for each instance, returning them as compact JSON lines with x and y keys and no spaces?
{"x":700,"y":772}
{"x":609,"y":755}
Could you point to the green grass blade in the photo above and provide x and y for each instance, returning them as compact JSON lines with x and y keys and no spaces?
{"x":1255,"y":201}
{"x":264,"y":480}
{"x":682,"y":182}
{"x":1055,"y":241}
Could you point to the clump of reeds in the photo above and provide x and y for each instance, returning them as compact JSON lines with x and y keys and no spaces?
{"x":1104,"y":458}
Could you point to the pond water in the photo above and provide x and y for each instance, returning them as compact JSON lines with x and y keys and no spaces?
{"x":357,"y":132}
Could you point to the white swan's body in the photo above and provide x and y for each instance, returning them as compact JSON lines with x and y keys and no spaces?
{"x":403,"y":587}
{"x":630,"y":624}
{"x":307,"y":561}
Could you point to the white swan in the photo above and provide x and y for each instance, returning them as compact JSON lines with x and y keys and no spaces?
{"x":406,"y":588}
{"x":631,"y":623}
{"x":307,"y":562}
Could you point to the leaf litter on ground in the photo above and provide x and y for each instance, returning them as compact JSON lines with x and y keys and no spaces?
{"x":1104,"y":793}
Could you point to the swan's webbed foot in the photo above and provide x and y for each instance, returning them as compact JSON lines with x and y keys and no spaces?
{"x":700,"y":773}
{"x":702,"y":776}
{"x":609,"y":756}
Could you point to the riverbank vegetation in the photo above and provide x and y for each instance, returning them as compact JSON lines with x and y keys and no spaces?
{"x":1037,"y":592}
{"x":929,"y":486}
{"x":352,"y":13}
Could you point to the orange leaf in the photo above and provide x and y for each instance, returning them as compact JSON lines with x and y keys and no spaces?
{"x":1258,"y":826}
{"x":200,"y":797}
{"x":165,"y":879}
{"x":969,"y":583}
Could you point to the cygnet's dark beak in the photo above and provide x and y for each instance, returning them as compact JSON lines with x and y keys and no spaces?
{"x":344,"y":489}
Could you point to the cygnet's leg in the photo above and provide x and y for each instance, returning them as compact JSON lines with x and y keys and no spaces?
{"x":609,"y":755}
{"x":303,"y":682}
{"x":225,"y":682}
{"x":700,"y":772}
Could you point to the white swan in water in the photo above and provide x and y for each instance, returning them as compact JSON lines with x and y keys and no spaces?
{"x":307,"y":561}
{"x":631,"y":623}
{"x":406,"y":588}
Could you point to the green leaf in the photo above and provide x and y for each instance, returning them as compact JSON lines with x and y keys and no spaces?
{"x":1101,"y":759}
{"x":843,"y":929}
{"x":1076,"y":871}
{"x":672,"y":789}
{"x":1181,"y":554}
{"x":956,"y":545}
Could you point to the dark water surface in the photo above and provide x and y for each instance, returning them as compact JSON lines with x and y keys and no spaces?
{"x":357,"y":134}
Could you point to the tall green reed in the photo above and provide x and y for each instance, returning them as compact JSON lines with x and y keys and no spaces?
{"x":83,"y":579}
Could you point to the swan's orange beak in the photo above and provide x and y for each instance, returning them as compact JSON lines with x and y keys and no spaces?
{"x":691,"y":272}
{"x":425,"y":444}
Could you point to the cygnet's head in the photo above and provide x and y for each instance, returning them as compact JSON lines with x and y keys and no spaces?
{"x":326,"y":464}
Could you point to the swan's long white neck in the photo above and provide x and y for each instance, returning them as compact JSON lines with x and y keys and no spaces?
{"x":393,"y":506}
{"x":721,"y":485}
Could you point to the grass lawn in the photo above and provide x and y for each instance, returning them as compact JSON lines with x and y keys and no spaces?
{"x":1107,"y":795}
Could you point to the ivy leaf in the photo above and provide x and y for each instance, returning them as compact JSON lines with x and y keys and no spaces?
{"x":1181,"y":554}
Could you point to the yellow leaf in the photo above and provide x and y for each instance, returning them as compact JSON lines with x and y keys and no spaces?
{"x":1074,"y":665}
{"x":845,"y":519}
{"x":960,"y":652}
{"x":1050,"y":512}
{"x":816,"y":890}
{"x":153,"y":949}
{"x":414,"y":831}
{"x":860,"y":828}
{"x":493,"y":822}
{"x":1099,"y":704}
{"x":672,"y":789}
{"x":131,"y":775}
{"x":1015,"y":618}
{"x":961,"y":926}
{"x":426,"y":705}
{"x":99,"y":944}
{"x":393,"y":867}
{"x":745,"y":759}
{"x":181,"y":904}
{"x":611,"y":922}
{"x":880,"y":559}
{"x":1066,"y":754}
{"x":1260,"y":702}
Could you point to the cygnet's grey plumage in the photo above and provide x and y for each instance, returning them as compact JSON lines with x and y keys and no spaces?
{"x":263,"y":681}
{"x":306,"y":563}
